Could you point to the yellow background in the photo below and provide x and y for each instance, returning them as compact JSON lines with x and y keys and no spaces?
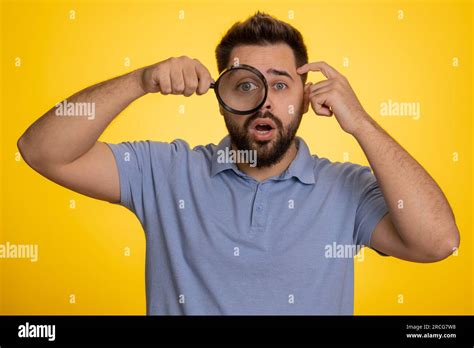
{"x":82,"y":249}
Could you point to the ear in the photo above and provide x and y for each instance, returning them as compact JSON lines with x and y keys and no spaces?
{"x":306,"y":100}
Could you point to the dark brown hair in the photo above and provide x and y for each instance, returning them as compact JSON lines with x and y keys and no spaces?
{"x":261,"y":29}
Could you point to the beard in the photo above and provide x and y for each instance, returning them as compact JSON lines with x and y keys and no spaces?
{"x":269,"y":152}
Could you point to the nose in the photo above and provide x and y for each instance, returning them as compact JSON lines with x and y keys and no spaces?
{"x":268,"y":105}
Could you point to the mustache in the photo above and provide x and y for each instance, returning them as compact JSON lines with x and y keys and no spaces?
{"x":259,"y":114}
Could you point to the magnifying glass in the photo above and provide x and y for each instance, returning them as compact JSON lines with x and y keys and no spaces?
{"x":241,"y":89}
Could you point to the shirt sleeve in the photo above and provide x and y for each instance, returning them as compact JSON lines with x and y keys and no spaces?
{"x":143,"y":166}
{"x":371,"y":207}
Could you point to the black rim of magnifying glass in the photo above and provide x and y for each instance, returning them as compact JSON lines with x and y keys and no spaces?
{"x":246,"y":67}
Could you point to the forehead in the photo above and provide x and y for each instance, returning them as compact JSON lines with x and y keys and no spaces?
{"x":276,"y":56}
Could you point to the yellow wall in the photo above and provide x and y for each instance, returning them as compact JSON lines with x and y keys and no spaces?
{"x":82,"y":246}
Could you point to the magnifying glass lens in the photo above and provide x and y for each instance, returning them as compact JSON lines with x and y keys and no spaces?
{"x":241,"y":90}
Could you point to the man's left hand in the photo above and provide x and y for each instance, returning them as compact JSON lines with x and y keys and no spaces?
{"x":334,"y":96}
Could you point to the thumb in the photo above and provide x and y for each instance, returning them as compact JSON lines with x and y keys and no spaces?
{"x":307,"y":91}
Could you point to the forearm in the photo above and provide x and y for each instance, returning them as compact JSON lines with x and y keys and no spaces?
{"x":418,"y":208}
{"x":56,"y":138}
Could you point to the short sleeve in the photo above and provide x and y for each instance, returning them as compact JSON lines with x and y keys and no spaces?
{"x":143,"y":166}
{"x":371,"y":207}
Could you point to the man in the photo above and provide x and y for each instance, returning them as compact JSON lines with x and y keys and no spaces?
{"x":250,"y":238}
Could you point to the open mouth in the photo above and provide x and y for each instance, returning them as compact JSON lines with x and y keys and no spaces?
{"x":262,"y":128}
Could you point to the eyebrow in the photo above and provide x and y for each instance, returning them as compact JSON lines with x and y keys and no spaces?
{"x":279,"y":72}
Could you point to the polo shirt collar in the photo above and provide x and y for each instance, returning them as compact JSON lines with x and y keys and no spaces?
{"x":302,"y":166}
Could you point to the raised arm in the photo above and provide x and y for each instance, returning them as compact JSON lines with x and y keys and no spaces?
{"x":62,"y":144}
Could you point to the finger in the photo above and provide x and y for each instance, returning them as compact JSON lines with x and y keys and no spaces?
{"x":164,"y":83}
{"x":307,"y":92}
{"x":307,"y":89}
{"x":204,"y":78}
{"x":177,"y":80}
{"x":321,"y":109}
{"x":321,"y":84}
{"x":190,"y":80}
{"x":324,"y":89}
{"x":318,"y":102}
{"x":324,"y":67}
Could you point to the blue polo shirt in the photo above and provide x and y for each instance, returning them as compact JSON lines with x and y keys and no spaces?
{"x":220,"y":242}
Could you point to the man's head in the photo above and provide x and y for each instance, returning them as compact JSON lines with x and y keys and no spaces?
{"x":276,"y":49}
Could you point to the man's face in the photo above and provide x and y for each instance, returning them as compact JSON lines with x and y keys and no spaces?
{"x":271,"y":130}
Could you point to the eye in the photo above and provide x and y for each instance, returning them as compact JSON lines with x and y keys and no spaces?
{"x":246,"y":86}
{"x":280,"y":85}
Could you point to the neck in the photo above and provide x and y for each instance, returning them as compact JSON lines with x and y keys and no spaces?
{"x":261,"y":174}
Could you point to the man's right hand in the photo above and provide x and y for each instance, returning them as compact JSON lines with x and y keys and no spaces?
{"x":66,"y":149}
{"x":179,"y":76}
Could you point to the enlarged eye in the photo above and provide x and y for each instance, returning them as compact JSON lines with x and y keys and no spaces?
{"x":280,"y":85}
{"x":247,"y":86}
